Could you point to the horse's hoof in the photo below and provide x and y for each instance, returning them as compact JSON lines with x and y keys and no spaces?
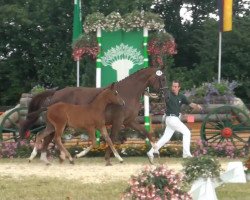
{"x":108,"y":164}
{"x":29,"y":161}
{"x":72,"y":162}
{"x":75,"y":157}
{"x":121,"y":161}
{"x":48,"y":164}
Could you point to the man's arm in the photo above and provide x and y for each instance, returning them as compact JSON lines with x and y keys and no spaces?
{"x":195,"y":106}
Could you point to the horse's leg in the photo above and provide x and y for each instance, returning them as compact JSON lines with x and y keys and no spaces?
{"x":84,"y":152}
{"x":138,"y":127}
{"x":91,"y":133}
{"x":116,"y":127}
{"x":105,"y":134}
{"x":39,"y":137}
{"x":58,"y":140}
{"x":46,"y":141}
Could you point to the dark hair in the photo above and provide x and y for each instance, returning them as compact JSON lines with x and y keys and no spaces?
{"x":176,"y":81}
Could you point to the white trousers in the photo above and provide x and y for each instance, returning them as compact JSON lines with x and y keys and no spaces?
{"x":174,"y":124}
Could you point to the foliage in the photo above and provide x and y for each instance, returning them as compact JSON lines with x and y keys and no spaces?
{"x":210,"y":89}
{"x":225,"y":149}
{"x":155,"y":183}
{"x":35,"y":46}
{"x":201,"y":167}
{"x":37,"y":89}
{"x":114,"y":21}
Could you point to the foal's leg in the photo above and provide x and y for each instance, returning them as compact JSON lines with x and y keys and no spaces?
{"x":104,"y":133}
{"x":47,"y":131}
{"x":46,"y":141}
{"x":58,"y":141}
{"x":116,"y":127}
{"x":92,"y":137}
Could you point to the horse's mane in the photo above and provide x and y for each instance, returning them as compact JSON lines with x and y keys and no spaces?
{"x":132,"y":75}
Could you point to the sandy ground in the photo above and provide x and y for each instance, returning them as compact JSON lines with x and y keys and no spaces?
{"x":86,"y":172}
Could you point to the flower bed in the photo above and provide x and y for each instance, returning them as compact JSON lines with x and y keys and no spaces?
{"x":156,"y":183}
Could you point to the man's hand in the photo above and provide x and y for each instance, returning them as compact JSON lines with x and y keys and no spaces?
{"x":195,"y":106}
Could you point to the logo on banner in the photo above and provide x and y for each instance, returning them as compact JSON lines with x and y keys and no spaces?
{"x":122,"y":58}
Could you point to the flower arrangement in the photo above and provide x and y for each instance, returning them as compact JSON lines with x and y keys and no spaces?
{"x":225,"y":149}
{"x":156,"y":183}
{"x":207,"y":91}
{"x":160,"y":46}
{"x":113,"y":22}
{"x":201,"y":167}
{"x":93,"y":22}
{"x":85,"y":45}
{"x":130,"y":21}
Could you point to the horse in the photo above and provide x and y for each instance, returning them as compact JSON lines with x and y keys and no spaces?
{"x":89,"y":117}
{"x":130,"y":89}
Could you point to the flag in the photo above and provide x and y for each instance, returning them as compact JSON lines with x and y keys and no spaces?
{"x":225,"y":14}
{"x":77,"y":23}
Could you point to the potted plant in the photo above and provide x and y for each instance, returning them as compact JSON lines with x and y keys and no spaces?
{"x":247,"y":168}
{"x":202,"y":167}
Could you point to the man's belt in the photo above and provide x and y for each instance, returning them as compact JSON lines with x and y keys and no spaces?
{"x":172,"y":115}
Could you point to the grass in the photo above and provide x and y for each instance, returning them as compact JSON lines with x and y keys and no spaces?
{"x":37,"y":188}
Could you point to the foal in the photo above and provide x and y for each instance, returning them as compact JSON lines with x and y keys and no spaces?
{"x":89,"y":117}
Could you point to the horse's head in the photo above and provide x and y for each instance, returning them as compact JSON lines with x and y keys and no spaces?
{"x":113,"y":95}
{"x":158,"y":80}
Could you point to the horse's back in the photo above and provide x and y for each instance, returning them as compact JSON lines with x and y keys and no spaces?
{"x":76,"y":95}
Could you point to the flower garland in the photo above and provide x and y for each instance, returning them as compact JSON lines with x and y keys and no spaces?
{"x":114,"y":21}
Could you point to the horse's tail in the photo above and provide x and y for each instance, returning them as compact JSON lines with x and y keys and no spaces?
{"x":38,"y":104}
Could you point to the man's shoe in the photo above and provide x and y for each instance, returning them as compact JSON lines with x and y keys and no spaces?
{"x":188,"y":156}
{"x":150,"y":158}
{"x":156,"y":154}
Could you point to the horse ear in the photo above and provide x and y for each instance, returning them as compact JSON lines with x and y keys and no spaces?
{"x":112,"y":87}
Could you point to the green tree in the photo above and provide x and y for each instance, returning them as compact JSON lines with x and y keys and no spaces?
{"x":35,"y":46}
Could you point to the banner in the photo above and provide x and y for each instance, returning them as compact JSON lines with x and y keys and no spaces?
{"x":121,"y":55}
{"x":77,"y":21}
{"x":225,"y":13}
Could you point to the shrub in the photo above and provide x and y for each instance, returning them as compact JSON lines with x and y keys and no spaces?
{"x":156,"y":183}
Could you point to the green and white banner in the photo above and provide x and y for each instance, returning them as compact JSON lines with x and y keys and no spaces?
{"x":122,"y":54}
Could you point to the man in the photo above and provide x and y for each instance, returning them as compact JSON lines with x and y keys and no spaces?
{"x":174,"y":100}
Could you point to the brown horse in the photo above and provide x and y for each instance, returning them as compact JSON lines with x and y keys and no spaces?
{"x":131,"y":89}
{"x":89,"y":117}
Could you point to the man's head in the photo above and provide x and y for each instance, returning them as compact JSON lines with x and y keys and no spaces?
{"x":176,"y":86}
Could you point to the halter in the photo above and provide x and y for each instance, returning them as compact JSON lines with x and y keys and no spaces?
{"x":159,"y":74}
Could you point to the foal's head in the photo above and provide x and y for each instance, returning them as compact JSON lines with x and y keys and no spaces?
{"x":113,"y":96}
